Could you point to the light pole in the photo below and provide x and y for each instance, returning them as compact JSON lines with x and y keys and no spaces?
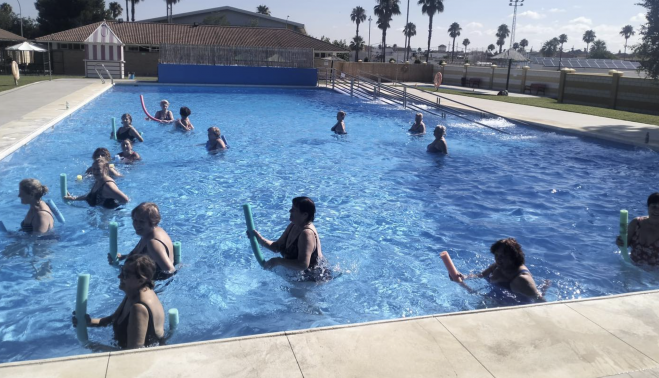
{"x":514,"y":3}
{"x":369,"y":38}
{"x":287,"y":22}
{"x":20,"y":13}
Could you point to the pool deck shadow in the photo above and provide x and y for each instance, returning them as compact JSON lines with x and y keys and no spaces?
{"x":615,"y":336}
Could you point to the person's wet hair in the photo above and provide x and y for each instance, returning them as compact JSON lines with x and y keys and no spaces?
{"x":511,"y":248}
{"x":33,"y":187}
{"x":128,"y":117}
{"x":441,"y":128}
{"x":654,"y":198}
{"x":144,"y":267}
{"x":419,"y":115}
{"x":215,"y":130}
{"x":305,"y":205}
{"x":101,"y":152}
{"x":341,"y":113}
{"x":148,"y":209}
{"x":185,"y":111}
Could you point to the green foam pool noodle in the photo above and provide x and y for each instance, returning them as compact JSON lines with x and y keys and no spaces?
{"x":114,"y":128}
{"x":177,"y":253}
{"x":81,"y":307}
{"x":624,"y":221}
{"x":62,"y":184}
{"x":114,"y":249}
{"x":173,"y":319}
{"x":247,"y":208}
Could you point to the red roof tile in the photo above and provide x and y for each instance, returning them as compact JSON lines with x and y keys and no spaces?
{"x":142,"y":33}
{"x":9,"y":36}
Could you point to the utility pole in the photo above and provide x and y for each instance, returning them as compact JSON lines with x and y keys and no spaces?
{"x":369,"y":39}
{"x":514,"y":3}
{"x":20,"y":13}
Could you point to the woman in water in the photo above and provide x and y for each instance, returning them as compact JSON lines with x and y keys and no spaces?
{"x":127,"y":131}
{"x":419,"y":127}
{"x":105,"y":154}
{"x":215,"y":141}
{"x":340,"y":126}
{"x":127,"y":155}
{"x":105,"y":191}
{"x":509,"y":270}
{"x":439,"y":145}
{"x":643,"y":235}
{"x":39,"y":219}
{"x":299,"y":245}
{"x":164,"y":115}
{"x":139,"y":321}
{"x":155,"y":242}
{"x":184,"y":122}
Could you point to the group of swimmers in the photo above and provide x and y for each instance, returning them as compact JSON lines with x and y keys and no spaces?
{"x":139,"y":319}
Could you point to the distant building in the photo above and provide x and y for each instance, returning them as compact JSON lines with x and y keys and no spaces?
{"x":442,"y":48}
{"x":230,"y":16}
{"x":7,"y":39}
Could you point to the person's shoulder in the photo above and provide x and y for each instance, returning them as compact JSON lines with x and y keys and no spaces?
{"x":139,"y":310}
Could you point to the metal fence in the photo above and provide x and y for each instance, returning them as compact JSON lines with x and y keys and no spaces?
{"x":236,"y":56}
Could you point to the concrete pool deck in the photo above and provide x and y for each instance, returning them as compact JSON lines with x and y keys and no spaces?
{"x":599,"y":337}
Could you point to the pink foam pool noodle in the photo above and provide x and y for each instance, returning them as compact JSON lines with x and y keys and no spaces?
{"x":450,"y":267}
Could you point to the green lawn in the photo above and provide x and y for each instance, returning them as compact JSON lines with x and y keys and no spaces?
{"x":550,"y":103}
{"x":7,"y":81}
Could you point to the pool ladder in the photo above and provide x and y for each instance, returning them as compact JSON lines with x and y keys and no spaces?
{"x":101,"y":76}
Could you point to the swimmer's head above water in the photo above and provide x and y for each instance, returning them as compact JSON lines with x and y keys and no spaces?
{"x":418,"y":118}
{"x":164,"y":105}
{"x":214,"y":132}
{"x":508,"y":253}
{"x":126,"y":119}
{"x":126,"y":145}
{"x":185,"y":112}
{"x":31,"y":190}
{"x":102,"y":152}
{"x":440,"y":131}
{"x":302,"y":211}
{"x":341,"y":115}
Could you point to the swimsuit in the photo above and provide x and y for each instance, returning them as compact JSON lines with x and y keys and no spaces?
{"x":128,"y":158}
{"x":28,"y":228}
{"x":648,"y":254}
{"x":123,"y":135}
{"x":121,"y":330}
{"x":96,"y":198}
{"x":168,"y":116}
{"x":506,"y":285}
{"x":160,"y":274}
{"x":318,"y":270}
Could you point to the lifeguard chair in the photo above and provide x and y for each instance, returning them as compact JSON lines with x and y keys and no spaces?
{"x":103,"y":47}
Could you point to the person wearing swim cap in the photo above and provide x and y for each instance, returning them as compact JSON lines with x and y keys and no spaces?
{"x":340,"y":126}
{"x":439,"y":146}
{"x":215,"y":141}
{"x":39,"y":219}
{"x":127,"y":155}
{"x":127,"y":131}
{"x":184,"y":121}
{"x":419,"y":127}
{"x":164,"y":115}
{"x":299,"y":245}
{"x":104,"y":153}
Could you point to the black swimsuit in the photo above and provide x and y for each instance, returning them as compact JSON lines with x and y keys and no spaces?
{"x":168,"y":115}
{"x":95,"y":198}
{"x":160,"y":274}
{"x":318,"y":268}
{"x":123,"y":135}
{"x":121,"y":330}
{"x":28,"y":228}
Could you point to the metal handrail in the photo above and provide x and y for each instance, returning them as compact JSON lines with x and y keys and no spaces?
{"x":99,"y":74}
{"x":108,"y":72}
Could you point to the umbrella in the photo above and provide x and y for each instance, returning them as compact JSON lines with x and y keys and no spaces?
{"x":511,"y":56}
{"x":26,"y":46}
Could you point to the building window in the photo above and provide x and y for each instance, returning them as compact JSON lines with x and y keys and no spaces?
{"x":132,"y":48}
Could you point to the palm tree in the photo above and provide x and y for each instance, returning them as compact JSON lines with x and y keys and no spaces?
{"x":502,"y":33}
{"x":358,"y":16}
{"x":263,"y":9}
{"x":588,"y":37}
{"x":491,"y":48}
{"x":454,"y":32}
{"x":170,"y":9}
{"x":356,"y":45}
{"x":561,"y":39}
{"x":394,"y":47}
{"x":523,"y":43}
{"x":627,"y":32}
{"x":385,"y":10}
{"x":409,"y":31}
{"x":466,"y":43}
{"x":132,"y":9}
{"x":430,"y":7}
{"x":127,"y":9}
{"x":549,"y":48}
{"x":515,"y":46}
{"x":116,"y":9}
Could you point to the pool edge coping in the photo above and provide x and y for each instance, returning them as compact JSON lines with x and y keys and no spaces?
{"x":312,"y":330}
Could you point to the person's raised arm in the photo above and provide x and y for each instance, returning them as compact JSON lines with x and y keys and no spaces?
{"x":110,"y":190}
{"x":138,"y":323}
{"x":136,"y":134}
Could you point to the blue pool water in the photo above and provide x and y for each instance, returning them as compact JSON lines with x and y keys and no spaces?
{"x":386,"y":209}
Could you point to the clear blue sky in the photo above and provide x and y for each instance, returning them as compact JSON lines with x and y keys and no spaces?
{"x":538,"y":20}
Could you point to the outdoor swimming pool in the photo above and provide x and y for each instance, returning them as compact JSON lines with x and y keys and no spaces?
{"x":385,"y":209}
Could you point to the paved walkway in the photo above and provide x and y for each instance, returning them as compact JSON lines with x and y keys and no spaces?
{"x":626,"y":132}
{"x":616,"y":336}
{"x":27,"y":111}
